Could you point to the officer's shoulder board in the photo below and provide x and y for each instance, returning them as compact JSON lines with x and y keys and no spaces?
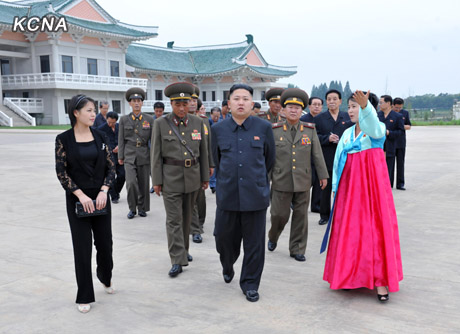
{"x":203,"y":116}
{"x":308,"y":125}
{"x":262,"y":114}
{"x":277,"y":125}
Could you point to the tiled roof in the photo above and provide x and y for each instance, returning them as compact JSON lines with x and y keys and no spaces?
{"x":41,"y":8}
{"x":210,"y":60}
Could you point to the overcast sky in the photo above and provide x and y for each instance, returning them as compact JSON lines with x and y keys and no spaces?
{"x":397,"y":47}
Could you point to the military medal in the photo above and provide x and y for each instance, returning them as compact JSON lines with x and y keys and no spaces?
{"x":196,"y":135}
{"x":146,"y":125}
{"x":306,"y":140}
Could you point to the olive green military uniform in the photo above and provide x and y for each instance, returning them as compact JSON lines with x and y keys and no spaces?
{"x":180,"y":174}
{"x":268,"y":116}
{"x":273,"y":94}
{"x":296,"y":146}
{"x":133,"y":140}
{"x":199,"y":213}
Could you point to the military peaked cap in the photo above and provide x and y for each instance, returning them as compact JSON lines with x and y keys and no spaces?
{"x":135,"y":93}
{"x":196,"y":93}
{"x":180,"y":91}
{"x":295,"y":96}
{"x":274,"y":94}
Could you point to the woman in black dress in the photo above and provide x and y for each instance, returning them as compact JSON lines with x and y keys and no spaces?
{"x":86,"y":170}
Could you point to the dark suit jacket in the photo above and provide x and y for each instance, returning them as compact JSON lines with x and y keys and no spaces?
{"x":325,"y":124}
{"x":100,"y":120}
{"x":401,"y":141}
{"x":395,"y":125}
{"x":244,"y":156}
{"x":72,"y":173}
{"x":307,"y":118}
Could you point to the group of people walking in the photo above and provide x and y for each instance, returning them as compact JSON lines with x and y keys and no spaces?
{"x":258,"y":160}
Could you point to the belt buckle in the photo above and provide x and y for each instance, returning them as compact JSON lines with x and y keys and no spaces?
{"x":188,"y":163}
{"x":138,"y":144}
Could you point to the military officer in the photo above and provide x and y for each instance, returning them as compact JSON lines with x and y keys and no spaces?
{"x":273,"y":115}
{"x":296,"y":145}
{"x":199,"y":211}
{"x":180,"y":167}
{"x":133,"y":152}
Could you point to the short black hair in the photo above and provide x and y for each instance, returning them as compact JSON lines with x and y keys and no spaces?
{"x":224,"y":103}
{"x":315,"y":97}
{"x":215,"y":109}
{"x":241,"y":86}
{"x":112,"y":114}
{"x":159,"y":105}
{"x":103,"y":102}
{"x":256,"y":105}
{"x":333,"y":91}
{"x":387,"y":98}
{"x":373,"y":99}
{"x":398,"y":100}
{"x":77,"y":103}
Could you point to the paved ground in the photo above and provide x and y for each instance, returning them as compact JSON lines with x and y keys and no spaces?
{"x":37,"y":281}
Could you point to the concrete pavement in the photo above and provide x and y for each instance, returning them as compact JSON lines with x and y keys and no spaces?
{"x":37,"y":279}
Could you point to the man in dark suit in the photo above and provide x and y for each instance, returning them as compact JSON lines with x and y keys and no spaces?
{"x":110,"y":129}
{"x":395,"y":128}
{"x":398,"y":105}
{"x":101,"y":118}
{"x":330,"y":126}
{"x":244,"y":152}
{"x":315,"y":106}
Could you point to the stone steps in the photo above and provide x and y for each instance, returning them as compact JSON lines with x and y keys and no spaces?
{"x":17,"y":121}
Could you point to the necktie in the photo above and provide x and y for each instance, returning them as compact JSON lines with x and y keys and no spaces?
{"x":293,"y":132}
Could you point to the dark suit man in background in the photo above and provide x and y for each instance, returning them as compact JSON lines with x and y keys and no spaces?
{"x":102,"y":116}
{"x":110,"y":129}
{"x":398,"y":105}
{"x":244,"y":152}
{"x":395,"y":128}
{"x":330,"y":126}
{"x":315,"y":106}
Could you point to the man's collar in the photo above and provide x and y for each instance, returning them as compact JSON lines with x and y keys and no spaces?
{"x":177,"y":120}
{"x":245,"y":125}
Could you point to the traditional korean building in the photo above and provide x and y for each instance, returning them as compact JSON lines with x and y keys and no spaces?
{"x":102,"y":57}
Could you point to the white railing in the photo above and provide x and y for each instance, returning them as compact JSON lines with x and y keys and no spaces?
{"x":31,"y":106}
{"x":148,"y":105}
{"x":70,"y":78}
{"x":19,"y":111}
{"x":5,"y":119}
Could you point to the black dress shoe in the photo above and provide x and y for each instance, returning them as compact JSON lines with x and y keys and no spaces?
{"x":189,"y":258}
{"x":142,"y":213}
{"x":176,"y":269}
{"x":401,"y":188}
{"x":131,"y":214}
{"x":252,"y":295}
{"x":271,"y":245}
{"x":197,"y":238}
{"x":228,"y":277}
{"x":115,"y":200}
{"x":299,"y":257}
{"x":322,"y":221}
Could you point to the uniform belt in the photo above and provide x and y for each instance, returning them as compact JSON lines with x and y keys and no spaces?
{"x":185,"y":163}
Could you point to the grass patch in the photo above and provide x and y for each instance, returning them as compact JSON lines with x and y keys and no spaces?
{"x":39,"y":127}
{"x":428,"y":123}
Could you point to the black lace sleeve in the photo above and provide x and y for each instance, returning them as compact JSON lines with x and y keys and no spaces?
{"x":110,"y":167}
{"x":61,"y":168}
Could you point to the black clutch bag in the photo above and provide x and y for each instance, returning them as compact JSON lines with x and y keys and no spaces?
{"x":80,"y":212}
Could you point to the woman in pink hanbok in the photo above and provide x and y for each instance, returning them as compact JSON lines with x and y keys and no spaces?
{"x":364,"y":246}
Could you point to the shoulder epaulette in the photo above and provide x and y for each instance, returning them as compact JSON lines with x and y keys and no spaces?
{"x":308,"y":125}
{"x":277,"y":125}
{"x":203,"y":116}
{"x":261,"y":114}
